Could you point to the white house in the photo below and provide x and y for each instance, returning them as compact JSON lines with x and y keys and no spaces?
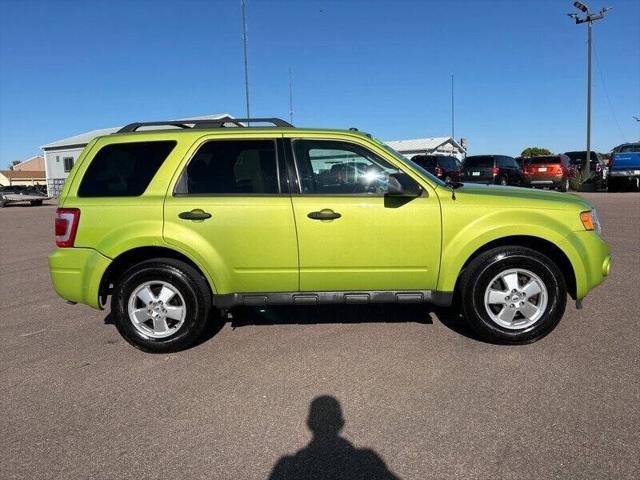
{"x":426,"y":146}
{"x":60,"y":156}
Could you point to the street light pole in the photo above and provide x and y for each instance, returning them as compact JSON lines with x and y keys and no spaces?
{"x":243,"y":6}
{"x":587,"y":166}
{"x":589,"y":18}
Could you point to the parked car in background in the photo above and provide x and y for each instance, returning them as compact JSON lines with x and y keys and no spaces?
{"x":598,"y":170}
{"x":553,"y":171}
{"x":495,"y":169}
{"x":20,"y":193}
{"x":624,"y":170}
{"x":445,"y":167}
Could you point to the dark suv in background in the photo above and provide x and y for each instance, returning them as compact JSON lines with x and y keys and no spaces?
{"x":598,"y":169}
{"x":444,"y":167}
{"x":497,"y":169}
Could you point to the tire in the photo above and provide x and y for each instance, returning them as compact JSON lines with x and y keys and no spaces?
{"x":36,"y":203}
{"x":479,"y":276}
{"x":564,"y":186}
{"x":190,"y":292}
{"x":3,"y":202}
{"x":612,"y":185}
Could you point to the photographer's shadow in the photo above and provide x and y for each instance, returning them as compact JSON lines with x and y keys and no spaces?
{"x":328,"y":455}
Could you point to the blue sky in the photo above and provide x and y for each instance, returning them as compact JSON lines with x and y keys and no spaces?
{"x":384,"y":67}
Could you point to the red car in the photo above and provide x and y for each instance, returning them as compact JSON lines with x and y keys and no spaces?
{"x":553,"y":171}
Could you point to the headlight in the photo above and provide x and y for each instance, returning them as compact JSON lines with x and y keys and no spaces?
{"x":590,"y":221}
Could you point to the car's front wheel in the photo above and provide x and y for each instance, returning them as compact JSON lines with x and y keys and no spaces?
{"x":161,"y":305}
{"x":513,"y":295}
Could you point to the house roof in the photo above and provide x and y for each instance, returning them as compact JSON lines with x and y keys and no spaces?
{"x":422,"y":144}
{"x":23,"y":174}
{"x":83,"y":138}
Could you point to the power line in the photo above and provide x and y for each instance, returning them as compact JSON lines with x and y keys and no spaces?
{"x":606,"y":94}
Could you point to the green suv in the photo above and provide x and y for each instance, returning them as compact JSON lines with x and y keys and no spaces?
{"x":177,"y":220}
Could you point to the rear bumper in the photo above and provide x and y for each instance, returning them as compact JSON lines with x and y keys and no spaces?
{"x":76,"y":274}
{"x":543,"y":181}
{"x":625,"y":173}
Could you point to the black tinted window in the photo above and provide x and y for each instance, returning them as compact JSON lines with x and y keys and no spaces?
{"x":124,"y":169}
{"x":479,"y":162}
{"x":541,"y":160}
{"x":232,"y":167}
{"x":448,"y":163}
{"x":424,"y":161}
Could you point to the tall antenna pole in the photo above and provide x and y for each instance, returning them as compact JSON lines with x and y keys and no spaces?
{"x":243,"y":5}
{"x":290,"y":97}
{"x":453,"y":115}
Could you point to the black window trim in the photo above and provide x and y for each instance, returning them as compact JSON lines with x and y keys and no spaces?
{"x":278,"y":150}
{"x":297,"y":191}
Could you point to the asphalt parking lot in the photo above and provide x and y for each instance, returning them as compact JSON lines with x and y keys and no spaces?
{"x":419,"y":397}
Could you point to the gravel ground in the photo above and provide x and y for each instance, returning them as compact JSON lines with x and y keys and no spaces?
{"x":417,"y":397}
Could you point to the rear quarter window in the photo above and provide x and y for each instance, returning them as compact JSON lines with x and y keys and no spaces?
{"x":124,"y":169}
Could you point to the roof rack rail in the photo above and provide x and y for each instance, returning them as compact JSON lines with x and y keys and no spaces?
{"x":206,"y":123}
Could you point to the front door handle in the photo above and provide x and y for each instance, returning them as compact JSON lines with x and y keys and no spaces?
{"x":324,"y":214}
{"x":195,"y":214}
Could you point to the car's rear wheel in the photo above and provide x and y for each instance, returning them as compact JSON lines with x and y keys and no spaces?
{"x":161,"y":305}
{"x":564,"y":185}
{"x":513,"y":295}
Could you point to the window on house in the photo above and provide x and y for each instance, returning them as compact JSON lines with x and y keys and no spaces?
{"x":68,"y":163}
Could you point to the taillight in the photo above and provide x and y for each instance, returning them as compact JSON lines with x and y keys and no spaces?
{"x":439,"y":171}
{"x":495,"y":171}
{"x":66,"y":226}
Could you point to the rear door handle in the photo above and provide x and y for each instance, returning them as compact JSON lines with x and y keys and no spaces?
{"x":195,"y":214}
{"x":325,"y":214}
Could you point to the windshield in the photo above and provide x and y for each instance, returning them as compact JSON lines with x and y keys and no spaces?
{"x":413,"y":165}
{"x":632,"y":147}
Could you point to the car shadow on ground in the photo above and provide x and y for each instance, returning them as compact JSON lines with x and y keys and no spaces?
{"x":328,"y":455}
{"x":350,"y":314}
{"x":424,"y":314}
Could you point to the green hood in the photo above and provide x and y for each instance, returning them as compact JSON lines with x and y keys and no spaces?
{"x":517,"y":197}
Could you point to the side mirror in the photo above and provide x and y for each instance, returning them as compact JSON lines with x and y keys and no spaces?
{"x":402,"y":185}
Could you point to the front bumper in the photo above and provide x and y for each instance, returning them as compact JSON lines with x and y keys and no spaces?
{"x":76,"y":274}
{"x":591,"y":260}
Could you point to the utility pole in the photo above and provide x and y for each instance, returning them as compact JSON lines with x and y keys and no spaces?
{"x":243,"y":6}
{"x":589,"y":18}
{"x":290,"y":97}
{"x":453,"y":117}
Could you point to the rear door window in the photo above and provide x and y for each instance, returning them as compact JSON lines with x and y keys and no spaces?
{"x":231,"y":167}
{"x":124,"y":169}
